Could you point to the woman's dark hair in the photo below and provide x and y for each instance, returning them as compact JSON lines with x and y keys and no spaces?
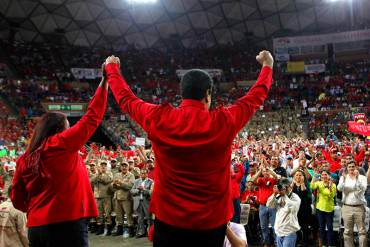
{"x":325,"y":171}
{"x":303,"y":174}
{"x":49,"y":124}
{"x":195,"y":83}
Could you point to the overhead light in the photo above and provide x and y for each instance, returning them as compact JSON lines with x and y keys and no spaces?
{"x":141,"y":1}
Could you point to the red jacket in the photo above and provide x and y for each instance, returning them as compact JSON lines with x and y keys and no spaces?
{"x":249,"y":197}
{"x":192,"y":147}
{"x":265,"y":189}
{"x":236,"y":179}
{"x":63,"y":193}
{"x":334,"y":165}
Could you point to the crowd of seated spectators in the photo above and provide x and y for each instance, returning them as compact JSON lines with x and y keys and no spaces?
{"x":11,"y":128}
{"x":28,"y":94}
{"x":37,"y":61}
{"x":283,"y":122}
{"x":152,"y":76}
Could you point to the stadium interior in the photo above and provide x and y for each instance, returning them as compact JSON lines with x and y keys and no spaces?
{"x":52,"y":51}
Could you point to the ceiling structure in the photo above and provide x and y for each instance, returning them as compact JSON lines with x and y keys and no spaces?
{"x":119,"y":23}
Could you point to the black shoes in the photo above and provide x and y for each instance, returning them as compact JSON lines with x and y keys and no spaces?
{"x":100,"y":230}
{"x":118,"y":231}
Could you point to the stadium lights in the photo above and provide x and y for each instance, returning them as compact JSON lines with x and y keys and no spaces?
{"x":141,"y":1}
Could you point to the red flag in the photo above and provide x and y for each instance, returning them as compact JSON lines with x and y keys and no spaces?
{"x":357,"y":128}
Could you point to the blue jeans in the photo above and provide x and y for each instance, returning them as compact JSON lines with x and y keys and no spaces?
{"x":287,"y":241}
{"x":325,"y":222}
{"x":237,"y":210}
{"x":367,"y":197}
{"x":267,"y":216}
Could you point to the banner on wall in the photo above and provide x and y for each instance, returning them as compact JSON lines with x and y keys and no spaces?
{"x":212,"y":72}
{"x":85,"y":73}
{"x":360,"y":118}
{"x":314,"y":68}
{"x":282,"y":57}
{"x":323,"y":39}
{"x":295,"y":67}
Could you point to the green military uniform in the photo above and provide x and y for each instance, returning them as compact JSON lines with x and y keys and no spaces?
{"x":123,"y":197}
{"x":136,"y":172}
{"x":91,"y":176}
{"x":8,"y":180}
{"x":114,"y":171}
{"x":101,"y":183}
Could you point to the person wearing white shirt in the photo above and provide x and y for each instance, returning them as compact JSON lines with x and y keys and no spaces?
{"x":235,"y":236}
{"x":353,"y":185}
{"x":287,"y":205}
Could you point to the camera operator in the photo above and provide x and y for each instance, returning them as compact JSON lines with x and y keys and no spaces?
{"x":287,"y":205}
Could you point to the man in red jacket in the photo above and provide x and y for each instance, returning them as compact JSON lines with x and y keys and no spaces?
{"x":237,"y":172}
{"x":191,"y":199}
{"x":267,"y":215}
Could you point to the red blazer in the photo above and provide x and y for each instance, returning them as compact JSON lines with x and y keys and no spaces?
{"x":192,"y":147}
{"x":63,"y":193}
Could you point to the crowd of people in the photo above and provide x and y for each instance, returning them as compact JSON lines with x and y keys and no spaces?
{"x":325,"y":176}
{"x":294,"y":183}
{"x":152,"y":76}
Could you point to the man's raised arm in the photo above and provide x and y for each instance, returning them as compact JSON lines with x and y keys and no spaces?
{"x":138,"y":110}
{"x":245,"y":107}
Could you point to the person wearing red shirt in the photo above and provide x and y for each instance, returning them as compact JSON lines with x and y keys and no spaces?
{"x":237,"y":172}
{"x":267,"y":215}
{"x":51,"y":182}
{"x":151,"y":168}
{"x":192,"y":145}
{"x":250,"y":195}
{"x":332,"y":160}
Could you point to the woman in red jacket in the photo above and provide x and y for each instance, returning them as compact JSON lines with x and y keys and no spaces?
{"x":51,"y":182}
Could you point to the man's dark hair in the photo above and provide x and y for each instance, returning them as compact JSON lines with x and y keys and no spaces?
{"x":195,"y":83}
{"x":284,"y":182}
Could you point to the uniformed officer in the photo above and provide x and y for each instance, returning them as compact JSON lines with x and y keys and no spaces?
{"x":8,"y":178}
{"x":115,"y":166}
{"x":131,"y":168}
{"x":91,"y":169}
{"x":101,"y":182}
{"x":13,"y":230}
{"x":122,"y":184}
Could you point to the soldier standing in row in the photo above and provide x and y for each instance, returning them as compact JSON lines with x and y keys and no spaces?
{"x":101,"y":182}
{"x":91,"y":170}
{"x":8,"y":179}
{"x":122,"y":184}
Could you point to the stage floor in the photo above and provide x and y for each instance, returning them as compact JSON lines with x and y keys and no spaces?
{"x":100,"y":241}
